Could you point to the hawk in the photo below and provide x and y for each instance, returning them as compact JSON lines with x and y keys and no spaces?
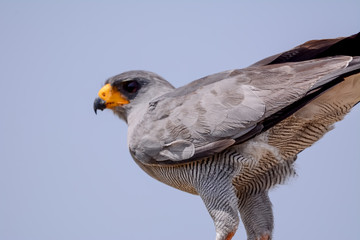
{"x":231,"y":136}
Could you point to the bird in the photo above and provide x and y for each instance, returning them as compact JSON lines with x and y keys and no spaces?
{"x":232,"y":136}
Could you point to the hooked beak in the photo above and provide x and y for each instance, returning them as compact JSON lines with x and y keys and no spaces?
{"x":99,"y":104}
{"x":109,"y":97}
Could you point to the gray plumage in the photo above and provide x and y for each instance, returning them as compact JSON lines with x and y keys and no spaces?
{"x":231,"y":136}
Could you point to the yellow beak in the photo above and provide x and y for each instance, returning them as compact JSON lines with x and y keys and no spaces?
{"x":112,"y":96}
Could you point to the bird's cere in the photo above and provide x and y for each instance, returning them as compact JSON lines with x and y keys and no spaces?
{"x":112,"y":96}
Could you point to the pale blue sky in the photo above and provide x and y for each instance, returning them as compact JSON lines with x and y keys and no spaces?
{"x":66,"y":174}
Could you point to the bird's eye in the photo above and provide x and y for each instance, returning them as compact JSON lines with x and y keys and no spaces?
{"x":131,"y":86}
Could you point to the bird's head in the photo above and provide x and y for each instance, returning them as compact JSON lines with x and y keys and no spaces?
{"x":130,"y":90}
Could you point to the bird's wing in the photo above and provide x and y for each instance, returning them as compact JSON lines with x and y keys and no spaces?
{"x":215,"y":112}
{"x":347,"y":46}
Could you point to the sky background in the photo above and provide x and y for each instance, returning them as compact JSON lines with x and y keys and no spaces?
{"x":66,"y":174}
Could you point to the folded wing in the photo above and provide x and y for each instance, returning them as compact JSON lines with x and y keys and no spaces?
{"x":209,"y":115}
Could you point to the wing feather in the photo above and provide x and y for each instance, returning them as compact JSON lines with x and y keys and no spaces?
{"x":210,"y":114}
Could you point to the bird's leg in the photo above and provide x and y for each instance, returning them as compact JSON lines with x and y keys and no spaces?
{"x":218,"y":194}
{"x":256,"y":214}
